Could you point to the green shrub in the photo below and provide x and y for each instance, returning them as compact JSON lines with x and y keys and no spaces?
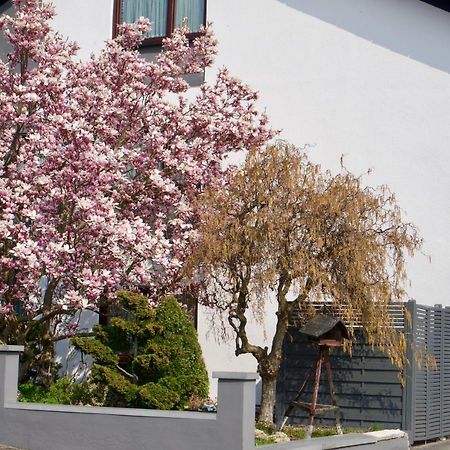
{"x":262,"y":441}
{"x":32,"y":393}
{"x":63,"y":391}
{"x":146,"y":358}
{"x":156,"y":395}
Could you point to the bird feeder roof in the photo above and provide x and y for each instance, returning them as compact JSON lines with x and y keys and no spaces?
{"x":321,"y":324}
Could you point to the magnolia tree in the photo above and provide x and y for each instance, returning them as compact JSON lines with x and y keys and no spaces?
{"x":287,"y":230}
{"x":100,"y":162}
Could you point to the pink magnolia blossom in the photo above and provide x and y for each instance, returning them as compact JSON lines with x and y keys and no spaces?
{"x":100,"y":161}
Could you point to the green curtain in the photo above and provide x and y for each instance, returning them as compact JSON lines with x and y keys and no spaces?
{"x":155,"y":10}
{"x":190,"y":11}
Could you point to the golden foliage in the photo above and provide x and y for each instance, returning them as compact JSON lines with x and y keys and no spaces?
{"x":285,"y":227}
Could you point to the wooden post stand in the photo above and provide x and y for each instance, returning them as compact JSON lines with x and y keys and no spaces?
{"x":315,"y":408}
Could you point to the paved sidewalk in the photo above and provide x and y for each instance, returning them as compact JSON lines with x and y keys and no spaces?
{"x":3,"y":447}
{"x":438,"y":445}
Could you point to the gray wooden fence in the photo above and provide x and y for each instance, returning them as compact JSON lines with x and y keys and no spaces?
{"x":368,"y":385}
{"x":428,"y":390}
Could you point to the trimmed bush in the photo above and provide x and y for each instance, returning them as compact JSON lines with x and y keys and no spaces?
{"x":146,"y":358}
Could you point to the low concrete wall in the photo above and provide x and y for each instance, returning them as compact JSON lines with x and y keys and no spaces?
{"x":377,"y":440}
{"x":58,"y":427}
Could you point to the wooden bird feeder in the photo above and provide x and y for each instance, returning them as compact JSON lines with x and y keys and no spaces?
{"x":324,"y":331}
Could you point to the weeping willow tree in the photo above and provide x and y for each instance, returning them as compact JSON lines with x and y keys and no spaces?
{"x":285,"y":228}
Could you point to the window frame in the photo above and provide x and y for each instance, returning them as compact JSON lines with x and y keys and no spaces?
{"x":170,"y":25}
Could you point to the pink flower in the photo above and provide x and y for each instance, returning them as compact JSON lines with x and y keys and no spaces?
{"x":101,"y":161}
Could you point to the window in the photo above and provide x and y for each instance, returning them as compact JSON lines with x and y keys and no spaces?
{"x":164,"y":15}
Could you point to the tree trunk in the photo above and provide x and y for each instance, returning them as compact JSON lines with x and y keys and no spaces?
{"x":268,"y":391}
{"x":37,"y":360}
{"x":45,"y":359}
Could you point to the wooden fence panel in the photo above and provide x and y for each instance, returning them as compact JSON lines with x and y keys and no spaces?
{"x":368,"y":385}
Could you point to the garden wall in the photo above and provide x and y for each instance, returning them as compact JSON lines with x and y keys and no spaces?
{"x":61,"y":427}
{"x":57,"y":427}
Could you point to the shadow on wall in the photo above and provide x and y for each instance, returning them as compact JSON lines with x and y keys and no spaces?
{"x":408,"y":27}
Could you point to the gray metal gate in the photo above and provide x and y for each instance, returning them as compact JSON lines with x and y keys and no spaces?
{"x":368,"y":385}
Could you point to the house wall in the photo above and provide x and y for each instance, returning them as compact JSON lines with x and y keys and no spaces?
{"x":87,"y":22}
{"x":5,"y":8}
{"x":368,"y":79}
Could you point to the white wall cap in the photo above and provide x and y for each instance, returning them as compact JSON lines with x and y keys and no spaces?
{"x":384,"y":435}
{"x":236,"y":375}
{"x":11,"y":348}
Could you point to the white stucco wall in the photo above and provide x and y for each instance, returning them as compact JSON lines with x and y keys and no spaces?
{"x":366,"y":78}
{"x":88,"y":22}
{"x":369,"y":79}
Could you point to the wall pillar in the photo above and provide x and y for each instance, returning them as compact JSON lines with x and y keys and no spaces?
{"x":236,"y":408}
{"x":9,"y":373}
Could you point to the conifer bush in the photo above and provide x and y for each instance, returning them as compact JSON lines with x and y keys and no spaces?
{"x":146,"y":358}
